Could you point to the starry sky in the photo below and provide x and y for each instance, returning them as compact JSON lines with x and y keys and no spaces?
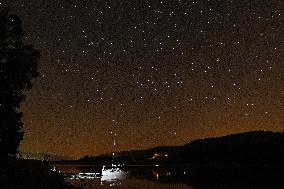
{"x":153,"y":72}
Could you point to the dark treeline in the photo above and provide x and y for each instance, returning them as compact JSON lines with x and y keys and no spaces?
{"x":259,"y":147}
{"x":254,"y":148}
{"x":18,"y":68}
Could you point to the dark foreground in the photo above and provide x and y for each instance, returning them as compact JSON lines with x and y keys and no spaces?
{"x":29,"y":174}
{"x":217,"y":176}
{"x":185,"y":177}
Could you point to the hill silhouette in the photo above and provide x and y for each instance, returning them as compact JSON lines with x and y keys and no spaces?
{"x":256,"y":147}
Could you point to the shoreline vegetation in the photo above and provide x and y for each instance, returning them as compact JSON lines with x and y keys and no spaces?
{"x":17,"y":173}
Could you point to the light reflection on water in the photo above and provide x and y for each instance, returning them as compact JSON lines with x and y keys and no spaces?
{"x":91,"y":177}
{"x":127,"y":184}
{"x":111,"y":176}
{"x":175,"y":177}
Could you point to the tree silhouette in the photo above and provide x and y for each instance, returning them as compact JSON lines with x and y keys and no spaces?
{"x":18,"y":66}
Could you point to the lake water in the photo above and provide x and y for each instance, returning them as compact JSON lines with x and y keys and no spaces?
{"x":133,"y":177}
{"x":165,"y":177}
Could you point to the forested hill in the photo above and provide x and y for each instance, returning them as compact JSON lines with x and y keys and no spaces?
{"x":257,"y":147}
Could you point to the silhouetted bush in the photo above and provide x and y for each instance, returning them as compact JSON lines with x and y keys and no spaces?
{"x":29,"y":174}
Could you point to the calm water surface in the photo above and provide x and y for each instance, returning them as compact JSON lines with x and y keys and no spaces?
{"x":95,"y":177}
{"x":170,"y":177}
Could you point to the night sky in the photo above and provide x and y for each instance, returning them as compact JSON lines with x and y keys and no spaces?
{"x":153,"y":72}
